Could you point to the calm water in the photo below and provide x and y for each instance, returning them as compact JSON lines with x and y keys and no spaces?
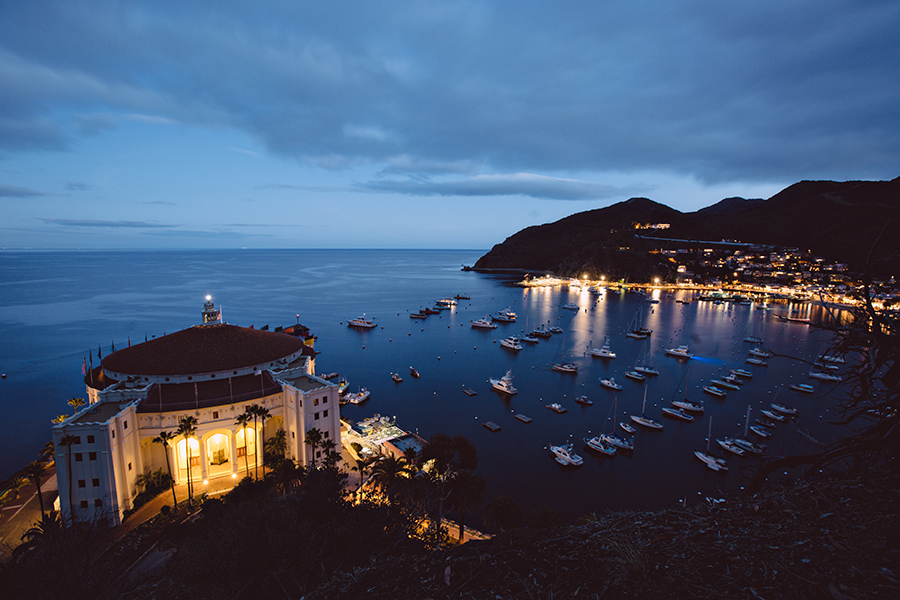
{"x":56,"y":307}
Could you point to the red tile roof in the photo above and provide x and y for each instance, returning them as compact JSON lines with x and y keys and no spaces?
{"x":203,"y":394}
{"x":203,"y":349}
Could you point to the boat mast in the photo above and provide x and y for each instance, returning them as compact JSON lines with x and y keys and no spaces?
{"x":709,"y":434}
{"x":747,"y":422}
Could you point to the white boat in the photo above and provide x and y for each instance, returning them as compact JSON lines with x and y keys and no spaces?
{"x":757,"y":361}
{"x":555,"y":329}
{"x":611,"y":384}
{"x":512,"y":342}
{"x":570,"y":306}
{"x":584,"y":401}
{"x":785,"y":410}
{"x":688,"y":405}
{"x":714,"y":391}
{"x":759,"y":352}
{"x":646,"y":370}
{"x":603,"y":351}
{"x":677,"y":413}
{"x":361,"y":322}
{"x":541,"y":332}
{"x":557,"y":407}
{"x":729,"y":445}
{"x":446,"y":303}
{"x":742,"y":373}
{"x":832,"y":359}
{"x":357,"y":397}
{"x":504,"y":384}
{"x":565,"y":367}
{"x":484,"y":323}
{"x":565,"y":455}
{"x":714,"y":463}
{"x":749,"y":446}
{"x":635,"y":375}
{"x":824,"y":376}
{"x":637,"y":335}
{"x":618,"y":442}
{"x":636,"y":331}
{"x":724,"y":384}
{"x":505,"y":316}
{"x":628,"y":427}
{"x":771,"y":415}
{"x":595,"y":443}
{"x":733,"y":379}
{"x":529,"y":339}
{"x":753,"y":339}
{"x":679,"y":352}
{"x":646,"y":422}
{"x":760,"y":431}
{"x":803,"y":387}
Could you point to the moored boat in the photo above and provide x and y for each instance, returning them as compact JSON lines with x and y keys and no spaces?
{"x":627,"y":427}
{"x":679,"y":352}
{"x":396,"y":377}
{"x":742,"y":373}
{"x":584,"y":401}
{"x":714,"y":463}
{"x":760,"y":431}
{"x":824,"y":376}
{"x":635,"y":375}
{"x":757,"y":361}
{"x":565,"y":455}
{"x":357,"y":397}
{"x":677,"y":413}
{"x":565,"y":367}
{"x":414,"y":373}
{"x":483,"y":323}
{"x":646,"y":370}
{"x":714,"y":391}
{"x":771,"y":415}
{"x":688,"y":405}
{"x":729,"y":445}
{"x":512,"y":343}
{"x":361,"y":322}
{"x":504,"y":384}
{"x":610,"y":384}
{"x":557,"y":407}
{"x":785,"y":410}
{"x":603,"y":351}
{"x":595,"y":443}
{"x":803,"y":387}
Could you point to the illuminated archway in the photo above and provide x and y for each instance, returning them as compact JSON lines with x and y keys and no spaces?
{"x":181,"y":458}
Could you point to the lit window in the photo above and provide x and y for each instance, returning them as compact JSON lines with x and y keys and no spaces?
{"x":316,"y":401}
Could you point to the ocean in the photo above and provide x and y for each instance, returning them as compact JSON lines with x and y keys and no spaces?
{"x":60,"y":308}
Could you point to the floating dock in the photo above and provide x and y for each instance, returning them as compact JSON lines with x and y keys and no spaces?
{"x":523,"y":418}
{"x":491,"y":426}
{"x":469,"y":392}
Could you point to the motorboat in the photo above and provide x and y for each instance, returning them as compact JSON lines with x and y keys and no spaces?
{"x":785,"y":410}
{"x":418,"y":315}
{"x":396,"y":377}
{"x":555,"y":329}
{"x":803,"y":387}
{"x":759,"y":352}
{"x":504,"y":384}
{"x":646,"y":370}
{"x":595,"y":443}
{"x":733,"y":379}
{"x":757,"y":361}
{"x":603,"y":351}
{"x":714,"y":463}
{"x":771,"y":415}
{"x":461,"y":297}
{"x":760,"y":431}
{"x":512,"y":342}
{"x":357,"y":397}
{"x":637,"y":335}
{"x":724,"y":384}
{"x":565,"y":455}
{"x":361,"y":322}
{"x":446,"y":303}
{"x":646,"y":422}
{"x":729,"y":445}
{"x":505,"y":316}
{"x":414,"y":373}
{"x":610,"y":384}
{"x":541,"y":332}
{"x":529,"y":339}
{"x":677,"y":413}
{"x":565,"y":367}
{"x":570,"y":306}
{"x":688,"y":405}
{"x":628,"y":427}
{"x":832,"y":359}
{"x":621,"y":443}
{"x":752,"y":339}
{"x":824,"y":376}
{"x":635,"y":375}
{"x":483,"y":323}
{"x":557,"y":407}
{"x":749,"y":446}
{"x":714,"y":391}
{"x":679,"y":352}
{"x":742,"y":373}
{"x":584,"y":401}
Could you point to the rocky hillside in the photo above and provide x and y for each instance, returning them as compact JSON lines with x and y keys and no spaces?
{"x":839,"y":221}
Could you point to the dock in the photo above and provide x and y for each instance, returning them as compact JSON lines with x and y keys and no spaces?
{"x":469,"y":392}
{"x":490,"y":425}
{"x":523,"y":418}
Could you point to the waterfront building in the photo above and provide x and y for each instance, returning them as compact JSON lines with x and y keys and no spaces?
{"x":212,"y":372}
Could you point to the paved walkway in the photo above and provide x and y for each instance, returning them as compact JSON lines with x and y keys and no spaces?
{"x":20,"y":515}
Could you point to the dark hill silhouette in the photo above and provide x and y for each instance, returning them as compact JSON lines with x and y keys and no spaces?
{"x":839,"y":221}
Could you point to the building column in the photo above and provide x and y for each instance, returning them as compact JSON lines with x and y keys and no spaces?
{"x":234,"y":456}
{"x":204,"y":466}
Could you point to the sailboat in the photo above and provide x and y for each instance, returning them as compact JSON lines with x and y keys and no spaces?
{"x":612,"y":440}
{"x":685,"y":404}
{"x":746,"y":444}
{"x":643,"y":419}
{"x":714,"y":463}
{"x":564,"y":366}
{"x":753,"y":339}
{"x":636,"y":331}
{"x":642,"y":366}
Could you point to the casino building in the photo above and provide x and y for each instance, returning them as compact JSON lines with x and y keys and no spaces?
{"x":211,"y":371}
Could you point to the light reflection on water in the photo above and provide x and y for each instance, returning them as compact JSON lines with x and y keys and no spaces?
{"x":57,"y":306}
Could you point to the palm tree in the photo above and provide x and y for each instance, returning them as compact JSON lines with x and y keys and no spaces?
{"x":187,"y":427}
{"x":313,"y":439}
{"x":275,"y":447}
{"x":466,"y":495}
{"x":361,"y":465}
{"x":503,"y":513}
{"x":243,"y":420}
{"x":66,"y":442}
{"x":261,"y":413}
{"x":35,"y":471}
{"x":388,"y":473}
{"x":76,"y":403}
{"x":285,"y":474}
{"x":164,"y":438}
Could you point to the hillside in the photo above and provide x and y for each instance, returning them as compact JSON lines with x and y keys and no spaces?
{"x":838,"y":221}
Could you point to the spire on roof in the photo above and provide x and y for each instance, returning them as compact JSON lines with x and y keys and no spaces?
{"x":211,"y":315}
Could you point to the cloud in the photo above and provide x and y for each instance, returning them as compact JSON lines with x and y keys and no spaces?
{"x":97,"y":223}
{"x":76,"y":186}
{"x":518,"y":184}
{"x":12,"y":191}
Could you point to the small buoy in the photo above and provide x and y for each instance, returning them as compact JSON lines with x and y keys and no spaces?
{"x":364,"y":347}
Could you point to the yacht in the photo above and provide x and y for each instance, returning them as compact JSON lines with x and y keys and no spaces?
{"x":635,"y":375}
{"x":714,"y":391}
{"x":529,"y":339}
{"x":505,"y":316}
{"x":646,"y":370}
{"x":512,"y":342}
{"x":733,"y":379}
{"x":771,"y":415}
{"x":760,"y":431}
{"x":584,"y":401}
{"x":484,"y":323}
{"x":565,"y":367}
{"x":603,"y":351}
{"x":753,"y":339}
{"x":618,"y":442}
{"x":565,"y":455}
{"x":742,"y":373}
{"x":595,"y":443}
{"x":557,"y":407}
{"x":785,"y":410}
{"x":626,"y":426}
{"x":679,"y":352}
{"x":504,"y":384}
{"x":541,"y":332}
{"x":446,"y":303}
{"x":414,"y":373}
{"x":357,"y":397}
{"x":611,"y":384}
{"x":688,"y":405}
{"x":677,"y":413}
{"x":724,"y":384}
{"x":729,"y":445}
{"x":803,"y":387}
{"x":570,"y":306}
{"x":637,"y":335}
{"x":714,"y":463}
{"x":555,"y":329}
{"x":749,"y":446}
{"x":757,"y":361}
{"x":361,"y":322}
{"x":646,"y":422}
{"x":418,"y":315}
{"x":759,"y":352}
{"x":824,"y":376}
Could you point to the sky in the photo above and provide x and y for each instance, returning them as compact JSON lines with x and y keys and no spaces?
{"x":434,"y":124}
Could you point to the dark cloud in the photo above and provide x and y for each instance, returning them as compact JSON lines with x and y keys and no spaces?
{"x":722,"y":92}
{"x":12,"y":191}
{"x":95,"y":223}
